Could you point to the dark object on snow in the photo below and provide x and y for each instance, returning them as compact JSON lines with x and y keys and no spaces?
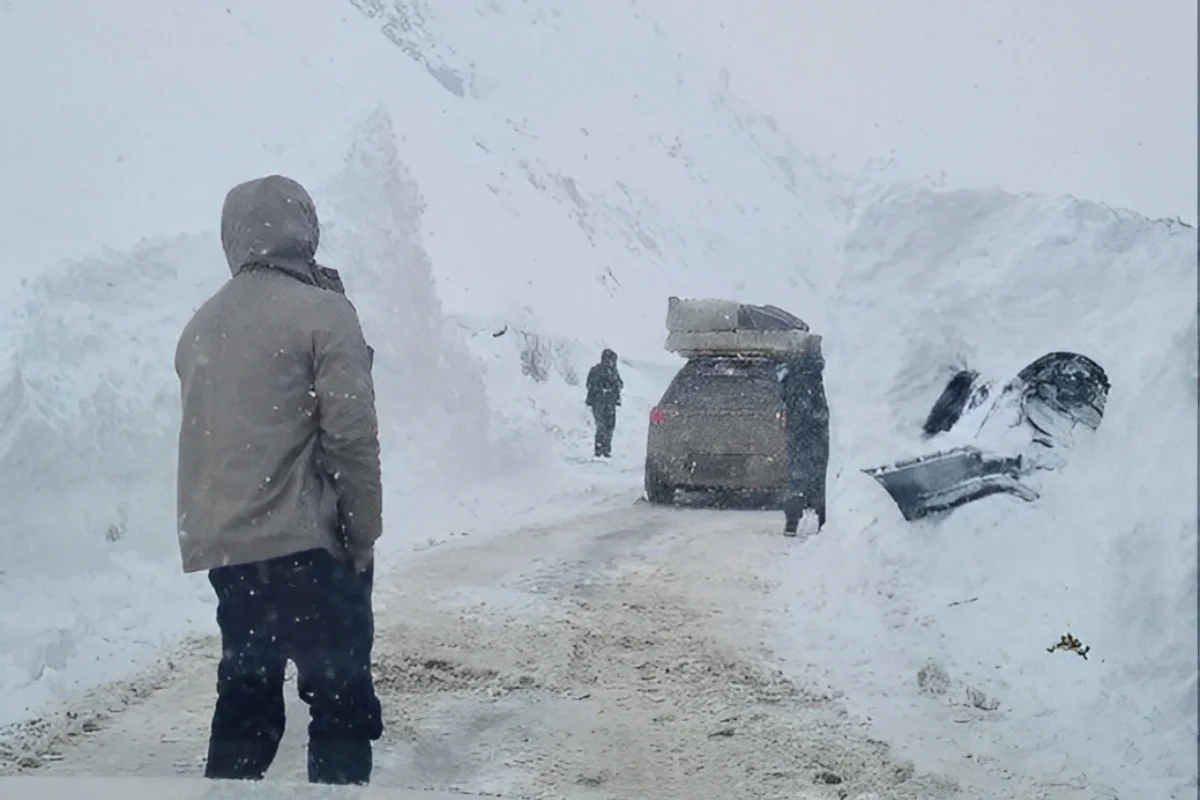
{"x":1048,"y":399}
{"x":500,"y":332}
{"x":949,"y":406}
{"x":1069,"y":643}
{"x":807,"y":426}
{"x":315,"y":610}
{"x":604,"y":387}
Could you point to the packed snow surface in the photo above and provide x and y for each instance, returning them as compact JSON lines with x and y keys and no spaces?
{"x":497,"y":221}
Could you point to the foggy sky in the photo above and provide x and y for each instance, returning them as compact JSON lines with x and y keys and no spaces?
{"x":1095,"y":98}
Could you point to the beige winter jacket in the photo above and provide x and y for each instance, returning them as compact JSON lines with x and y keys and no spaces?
{"x":279,"y":419}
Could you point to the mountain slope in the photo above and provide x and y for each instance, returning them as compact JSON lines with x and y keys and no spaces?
{"x":563,"y":203}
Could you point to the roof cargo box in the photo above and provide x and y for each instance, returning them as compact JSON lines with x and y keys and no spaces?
{"x":707,"y":315}
{"x":711,"y":326}
{"x":708,"y":327}
{"x":760,"y":344}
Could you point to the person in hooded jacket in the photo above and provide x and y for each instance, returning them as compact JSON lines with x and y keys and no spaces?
{"x":807,"y":430}
{"x":279,"y":490}
{"x":604,"y":387}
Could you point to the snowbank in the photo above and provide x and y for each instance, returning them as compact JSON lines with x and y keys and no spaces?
{"x":932,"y":280}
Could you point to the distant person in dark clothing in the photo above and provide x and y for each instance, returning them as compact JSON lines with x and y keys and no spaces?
{"x":279,"y":490}
{"x":604,"y":387}
{"x":803,"y":385}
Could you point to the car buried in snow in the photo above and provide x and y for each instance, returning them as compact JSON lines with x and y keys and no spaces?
{"x":1026,"y":427}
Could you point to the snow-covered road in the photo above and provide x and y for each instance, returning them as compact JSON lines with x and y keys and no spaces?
{"x":622,"y":655}
{"x":628,"y":653}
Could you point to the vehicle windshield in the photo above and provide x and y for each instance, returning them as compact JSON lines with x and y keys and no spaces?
{"x":725,"y":386}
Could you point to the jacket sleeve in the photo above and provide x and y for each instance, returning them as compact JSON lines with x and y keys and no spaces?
{"x":349,"y":428}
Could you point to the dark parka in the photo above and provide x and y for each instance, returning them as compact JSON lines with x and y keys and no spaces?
{"x":604,"y":387}
{"x":604,"y":382}
{"x":279,"y":442}
{"x":803,"y":386}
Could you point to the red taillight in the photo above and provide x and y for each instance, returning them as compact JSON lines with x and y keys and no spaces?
{"x":657,"y":416}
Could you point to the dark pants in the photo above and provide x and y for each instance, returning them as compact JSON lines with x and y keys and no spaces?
{"x":806,"y":488}
{"x":314,"y":610}
{"x":606,"y":423}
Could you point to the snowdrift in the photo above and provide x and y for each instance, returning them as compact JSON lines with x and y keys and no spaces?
{"x":933,"y":282}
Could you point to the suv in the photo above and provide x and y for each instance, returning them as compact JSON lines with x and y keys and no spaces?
{"x":719,"y":426}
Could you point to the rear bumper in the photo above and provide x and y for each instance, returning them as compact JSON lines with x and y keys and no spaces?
{"x":709,"y":471}
{"x":946,"y":480}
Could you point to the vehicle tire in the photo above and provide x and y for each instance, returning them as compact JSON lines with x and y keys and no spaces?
{"x":657,"y":491}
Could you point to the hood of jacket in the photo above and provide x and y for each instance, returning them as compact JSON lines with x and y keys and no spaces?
{"x":271,"y":222}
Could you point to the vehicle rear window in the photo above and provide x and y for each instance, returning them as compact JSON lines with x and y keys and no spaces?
{"x":725,"y":387}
